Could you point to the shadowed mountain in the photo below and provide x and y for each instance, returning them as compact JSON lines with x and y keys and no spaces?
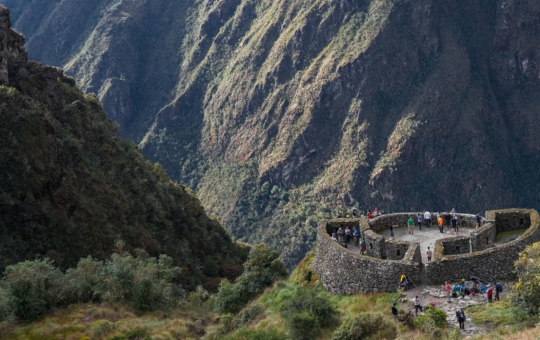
{"x":69,"y":187}
{"x":277,"y":112}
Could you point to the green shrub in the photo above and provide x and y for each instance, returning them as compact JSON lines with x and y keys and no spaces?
{"x":313,"y":301}
{"x":230,"y":298}
{"x":261,"y":269}
{"x":303,"y":326}
{"x":428,"y":326}
{"x":257,"y":334}
{"x":438,"y":316}
{"x":32,"y":287}
{"x":365,"y":326}
{"x":247,"y":315}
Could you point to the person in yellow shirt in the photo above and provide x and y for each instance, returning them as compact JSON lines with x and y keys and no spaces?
{"x":440,"y":221}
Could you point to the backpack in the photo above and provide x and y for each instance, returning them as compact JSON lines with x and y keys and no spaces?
{"x":460,"y":315}
{"x":499,"y":287}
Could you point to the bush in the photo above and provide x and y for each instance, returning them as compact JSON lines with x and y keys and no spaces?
{"x":437,"y":315}
{"x":366,"y":326}
{"x":257,"y":334}
{"x":428,"y":326}
{"x":247,"y":315}
{"x":526,"y":292}
{"x":303,"y":326}
{"x":261,"y":269}
{"x":32,"y":287}
{"x":313,"y":301}
{"x":230,"y":298}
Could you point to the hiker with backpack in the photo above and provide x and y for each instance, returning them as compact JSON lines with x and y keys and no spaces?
{"x":489,"y":293}
{"x":460,"y":315}
{"x":395,"y":312}
{"x":498,"y":290}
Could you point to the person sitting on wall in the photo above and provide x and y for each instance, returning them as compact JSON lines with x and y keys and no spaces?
{"x":354,"y":213}
{"x":376,"y":212}
{"x":370,"y":215}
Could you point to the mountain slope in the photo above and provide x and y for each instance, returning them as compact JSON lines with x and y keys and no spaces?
{"x":70,"y":188}
{"x":276,"y":112}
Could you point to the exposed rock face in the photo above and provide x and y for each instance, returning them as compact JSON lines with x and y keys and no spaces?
{"x":69,"y":187}
{"x":276,"y":111}
{"x":12,"y":52}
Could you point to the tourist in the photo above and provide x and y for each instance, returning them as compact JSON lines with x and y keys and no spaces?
{"x":370,"y":215}
{"x":429,"y":254}
{"x":376,"y":212}
{"x":362,"y":246}
{"x":460,"y":315}
{"x":334,"y":237}
{"x":438,"y":215}
{"x":427,"y":219}
{"x":489,"y":293}
{"x":478,"y":219}
{"x":440,"y":222}
{"x":498,"y":290}
{"x":356,"y":235}
{"x":339,"y":214}
{"x":354,"y":213}
{"x":453,"y":211}
{"x":419,"y":220}
{"x":410,"y":225}
{"x":395,"y":312}
{"x":340,"y":235}
{"x":448,"y":289}
{"x":348,"y":234}
{"x":454,"y":224}
{"x":447,"y":218}
{"x":417,"y":306}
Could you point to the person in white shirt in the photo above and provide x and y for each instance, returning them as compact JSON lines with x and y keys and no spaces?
{"x":427,"y":218}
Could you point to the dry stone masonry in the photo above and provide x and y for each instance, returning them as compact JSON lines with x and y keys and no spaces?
{"x":343,"y":271}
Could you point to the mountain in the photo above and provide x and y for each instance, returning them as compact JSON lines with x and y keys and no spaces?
{"x":70,"y":188}
{"x":278,"y":112}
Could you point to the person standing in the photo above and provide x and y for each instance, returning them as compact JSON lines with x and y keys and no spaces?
{"x":498,"y":289}
{"x":429,"y":254}
{"x":356,"y":235}
{"x":460,"y":315}
{"x":362,"y":246}
{"x":417,"y":306}
{"x":427,"y":219}
{"x":489,"y":293}
{"x":340,"y":235}
{"x":395,"y":312}
{"x":453,"y":221}
{"x":448,"y":289}
{"x":391,"y":227}
{"x":419,"y":220}
{"x":478,"y":219}
{"x":354,"y":213}
{"x":440,"y":222}
{"x":447,"y":218}
{"x":347,"y":234}
{"x":410,"y":225}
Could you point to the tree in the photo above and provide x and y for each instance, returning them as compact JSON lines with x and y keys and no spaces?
{"x":526,"y":292}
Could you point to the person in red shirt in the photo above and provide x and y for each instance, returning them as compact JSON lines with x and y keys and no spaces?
{"x":490,"y":294}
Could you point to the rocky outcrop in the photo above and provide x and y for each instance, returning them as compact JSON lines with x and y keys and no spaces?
{"x":12,"y":52}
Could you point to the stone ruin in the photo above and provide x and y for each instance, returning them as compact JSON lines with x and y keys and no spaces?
{"x":343,"y":271}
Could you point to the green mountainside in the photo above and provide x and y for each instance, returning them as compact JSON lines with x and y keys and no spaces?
{"x":70,"y":188}
{"x":278,"y":112}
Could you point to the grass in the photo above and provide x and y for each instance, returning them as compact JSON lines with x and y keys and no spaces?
{"x":500,"y":314}
{"x":506,"y":234}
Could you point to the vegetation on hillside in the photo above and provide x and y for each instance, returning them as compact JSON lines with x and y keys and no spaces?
{"x":70,"y":188}
{"x":277,"y":113}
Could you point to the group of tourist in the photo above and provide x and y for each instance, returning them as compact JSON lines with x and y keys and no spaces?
{"x":462,"y":289}
{"x":425,"y":218}
{"x":354,"y":213}
{"x":343,"y":237}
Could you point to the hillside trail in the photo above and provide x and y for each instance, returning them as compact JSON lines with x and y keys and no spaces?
{"x":437,"y":295}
